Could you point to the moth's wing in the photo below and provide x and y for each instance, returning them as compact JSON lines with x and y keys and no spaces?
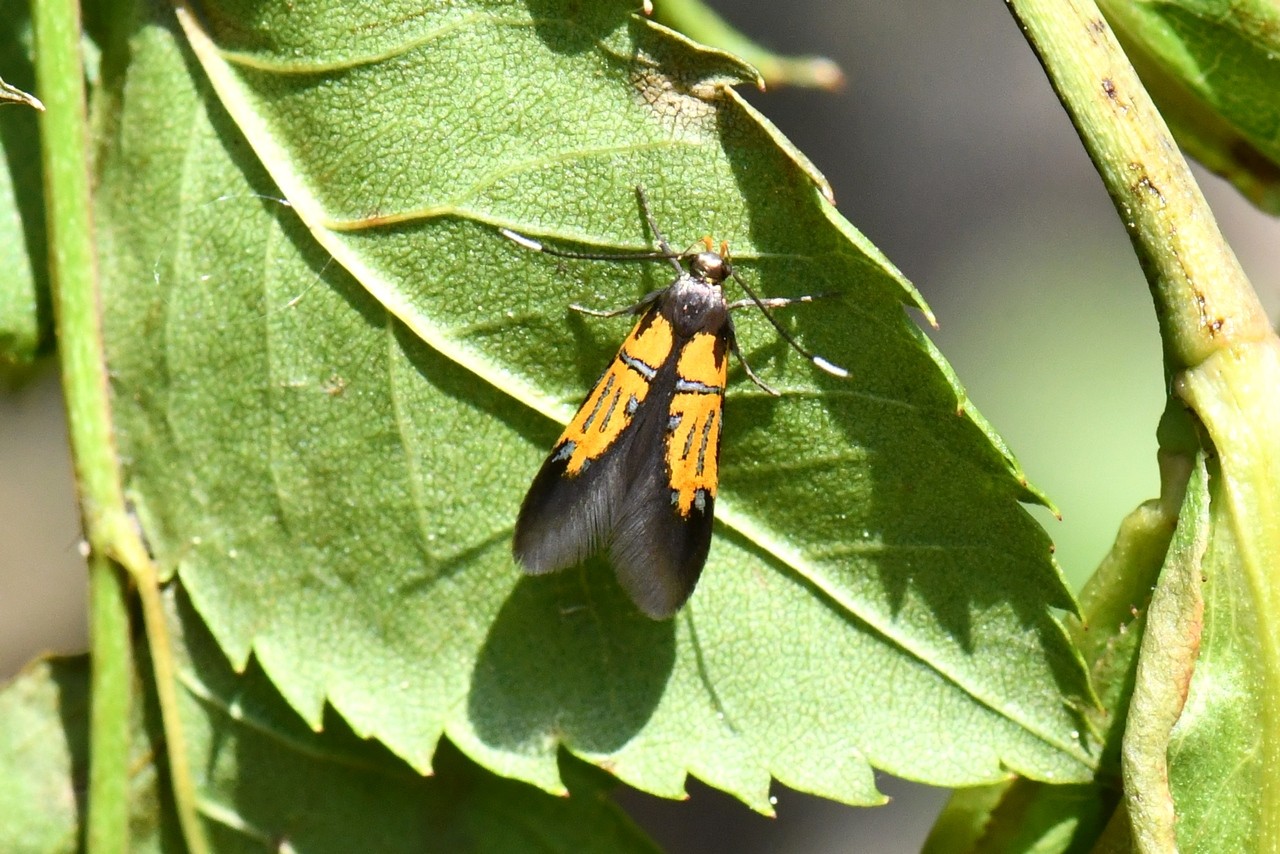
{"x":576,"y":499}
{"x":662,"y":531}
{"x":565,"y":519}
{"x":658,"y":554}
{"x":622,"y":500}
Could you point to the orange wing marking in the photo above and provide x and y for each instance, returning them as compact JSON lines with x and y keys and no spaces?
{"x":608,"y":410}
{"x":693,"y":446}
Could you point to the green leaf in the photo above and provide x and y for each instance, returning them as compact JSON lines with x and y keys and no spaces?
{"x":1021,"y":816}
{"x":1210,"y":67}
{"x":1220,"y":747}
{"x":330,"y":409}
{"x":43,"y":733}
{"x":1225,"y":745}
{"x":1219,"y":777}
{"x":264,"y":778}
{"x":44,"y":754}
{"x":24,"y":286}
{"x":1170,"y":646}
{"x":1028,"y":815}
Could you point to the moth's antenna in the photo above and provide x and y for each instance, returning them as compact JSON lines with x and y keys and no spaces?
{"x":670,"y":254}
{"x":538,"y":246}
{"x":818,"y":361}
{"x":665,"y":252}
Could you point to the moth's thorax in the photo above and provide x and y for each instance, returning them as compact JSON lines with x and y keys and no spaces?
{"x":695,"y":304}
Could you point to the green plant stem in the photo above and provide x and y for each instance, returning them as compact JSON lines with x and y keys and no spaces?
{"x":72,"y":272}
{"x":1222,"y":357}
{"x":109,"y":529}
{"x":1203,"y":299}
{"x":698,"y":21}
{"x":110,"y":693}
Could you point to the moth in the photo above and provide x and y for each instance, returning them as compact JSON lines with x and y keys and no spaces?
{"x":636,"y":470}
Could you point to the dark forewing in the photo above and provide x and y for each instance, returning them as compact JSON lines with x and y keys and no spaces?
{"x":573,"y":504}
{"x":662,"y":532}
{"x":657,"y":553}
{"x":564,"y":520}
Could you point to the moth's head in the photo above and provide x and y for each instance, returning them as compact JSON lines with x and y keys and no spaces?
{"x":711,"y":265}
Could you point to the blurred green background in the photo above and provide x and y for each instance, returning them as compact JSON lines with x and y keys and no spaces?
{"x":948,"y":149}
